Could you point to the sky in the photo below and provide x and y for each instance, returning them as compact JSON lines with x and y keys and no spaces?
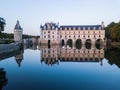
{"x":33,"y":13}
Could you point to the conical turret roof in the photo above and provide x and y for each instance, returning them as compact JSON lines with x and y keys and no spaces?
{"x":17,"y":26}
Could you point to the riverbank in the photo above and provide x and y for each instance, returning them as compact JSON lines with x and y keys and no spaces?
{"x":4,"y":48}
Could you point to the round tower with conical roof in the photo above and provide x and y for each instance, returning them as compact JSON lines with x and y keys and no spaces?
{"x":18,"y":31}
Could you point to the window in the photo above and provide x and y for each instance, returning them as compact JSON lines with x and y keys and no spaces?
{"x":44,"y":32}
{"x":53,"y":36}
{"x":48,"y":31}
{"x":52,"y":32}
{"x":44,"y":36}
{"x":48,"y":36}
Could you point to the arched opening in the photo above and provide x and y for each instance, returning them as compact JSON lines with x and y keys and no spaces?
{"x":88,"y":43}
{"x":69,"y":43}
{"x":48,"y":43}
{"x":98,"y":43}
{"x":78,"y":43}
{"x":63,"y":42}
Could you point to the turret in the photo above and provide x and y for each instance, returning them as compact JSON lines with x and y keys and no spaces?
{"x":18,"y":31}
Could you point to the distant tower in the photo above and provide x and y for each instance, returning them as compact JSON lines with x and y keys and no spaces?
{"x":18,"y":32}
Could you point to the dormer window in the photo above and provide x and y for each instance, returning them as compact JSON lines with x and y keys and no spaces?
{"x":52,"y":27}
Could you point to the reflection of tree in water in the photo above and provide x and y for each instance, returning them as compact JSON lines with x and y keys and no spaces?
{"x":3,"y":80}
{"x":113,"y":56}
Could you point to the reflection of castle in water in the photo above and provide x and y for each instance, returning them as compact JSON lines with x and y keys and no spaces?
{"x":55,"y":54}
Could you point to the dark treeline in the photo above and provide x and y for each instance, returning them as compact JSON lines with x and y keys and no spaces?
{"x":11,"y":36}
{"x":112,"y":31}
{"x":113,"y":56}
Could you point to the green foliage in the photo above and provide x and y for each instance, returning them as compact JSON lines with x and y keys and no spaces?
{"x":6,"y":36}
{"x":113,"y":31}
{"x":2,"y":24}
{"x":69,"y":43}
{"x":11,"y":36}
{"x":78,"y":44}
{"x":29,"y":36}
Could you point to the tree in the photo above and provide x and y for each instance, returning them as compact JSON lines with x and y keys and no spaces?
{"x":115,"y":32}
{"x":2,"y":24}
{"x":112,"y":31}
{"x":108,"y":30}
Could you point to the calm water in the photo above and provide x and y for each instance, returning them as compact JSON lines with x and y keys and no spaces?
{"x":40,"y":68}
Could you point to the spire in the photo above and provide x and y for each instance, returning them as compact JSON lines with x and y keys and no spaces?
{"x":17,"y":26}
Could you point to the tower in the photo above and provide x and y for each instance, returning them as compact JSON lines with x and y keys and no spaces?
{"x":18,"y":32}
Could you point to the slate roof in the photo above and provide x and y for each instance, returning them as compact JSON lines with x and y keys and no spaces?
{"x":50,"y":26}
{"x":17,"y":26}
{"x":81,"y":27}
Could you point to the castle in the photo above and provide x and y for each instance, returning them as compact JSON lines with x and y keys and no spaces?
{"x":52,"y":33}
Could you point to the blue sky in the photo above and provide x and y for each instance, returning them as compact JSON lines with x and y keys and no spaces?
{"x":32,"y":13}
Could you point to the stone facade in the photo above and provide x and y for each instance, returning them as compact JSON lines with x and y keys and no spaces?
{"x":52,"y":33}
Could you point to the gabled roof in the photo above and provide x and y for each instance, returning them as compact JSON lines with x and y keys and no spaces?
{"x":49,"y":26}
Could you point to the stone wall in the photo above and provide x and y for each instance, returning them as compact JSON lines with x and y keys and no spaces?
{"x":9,"y":47}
